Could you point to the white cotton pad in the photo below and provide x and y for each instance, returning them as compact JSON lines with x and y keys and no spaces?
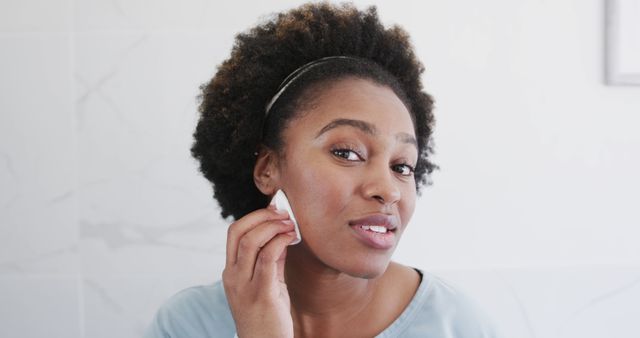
{"x":282,"y":203}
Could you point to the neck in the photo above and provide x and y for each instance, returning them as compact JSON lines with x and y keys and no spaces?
{"x":323,"y":299}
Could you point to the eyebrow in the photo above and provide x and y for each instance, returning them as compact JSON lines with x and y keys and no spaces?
{"x":367,"y":128}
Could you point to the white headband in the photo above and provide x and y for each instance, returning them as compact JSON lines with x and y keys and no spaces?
{"x":297,"y":73}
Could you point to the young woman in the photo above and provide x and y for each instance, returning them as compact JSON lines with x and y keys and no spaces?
{"x":326,"y":104}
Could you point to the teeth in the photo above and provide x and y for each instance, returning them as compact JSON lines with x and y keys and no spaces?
{"x":375,"y":228}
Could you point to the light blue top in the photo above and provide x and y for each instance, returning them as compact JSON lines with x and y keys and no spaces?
{"x":437,"y":310}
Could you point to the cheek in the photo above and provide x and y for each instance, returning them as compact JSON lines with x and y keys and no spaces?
{"x":408,"y":205}
{"x":320,"y":193}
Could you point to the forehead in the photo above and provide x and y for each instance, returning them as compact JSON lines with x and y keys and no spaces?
{"x":359,"y":99}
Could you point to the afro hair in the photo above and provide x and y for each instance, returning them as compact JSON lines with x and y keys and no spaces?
{"x":232,"y":118}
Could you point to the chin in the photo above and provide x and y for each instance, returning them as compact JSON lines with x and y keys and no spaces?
{"x":368,"y":268}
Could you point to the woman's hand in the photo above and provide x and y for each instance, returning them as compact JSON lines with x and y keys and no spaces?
{"x":253,"y":277}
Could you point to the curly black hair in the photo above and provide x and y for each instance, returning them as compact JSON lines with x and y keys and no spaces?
{"x":232,"y":121}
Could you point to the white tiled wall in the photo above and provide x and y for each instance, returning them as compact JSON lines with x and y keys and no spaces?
{"x":103,"y":214}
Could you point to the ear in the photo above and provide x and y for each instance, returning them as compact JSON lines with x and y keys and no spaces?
{"x":266,"y":175}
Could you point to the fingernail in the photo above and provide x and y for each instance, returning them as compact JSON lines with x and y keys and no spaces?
{"x":293,"y":235}
{"x":282,"y":212}
{"x":288,"y":222}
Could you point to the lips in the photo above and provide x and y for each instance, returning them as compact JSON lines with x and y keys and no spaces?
{"x":376,"y":231}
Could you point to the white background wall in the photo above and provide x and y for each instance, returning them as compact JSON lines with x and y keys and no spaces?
{"x":103,"y":214}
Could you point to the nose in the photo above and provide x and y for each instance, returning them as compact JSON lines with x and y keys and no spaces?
{"x":381,"y":185}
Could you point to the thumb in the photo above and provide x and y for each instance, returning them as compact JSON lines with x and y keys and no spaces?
{"x":282,"y":259}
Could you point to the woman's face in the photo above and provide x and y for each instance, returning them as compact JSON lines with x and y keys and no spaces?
{"x":348,"y":176}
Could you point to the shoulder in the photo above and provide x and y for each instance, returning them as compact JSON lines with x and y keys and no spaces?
{"x":442,"y":309}
{"x":200,"y":311}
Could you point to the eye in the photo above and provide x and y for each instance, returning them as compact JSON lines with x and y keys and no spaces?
{"x":403,"y":169}
{"x":347,"y":154}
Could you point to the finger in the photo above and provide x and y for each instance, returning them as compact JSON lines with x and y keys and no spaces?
{"x":272,"y":254}
{"x":238,"y":228}
{"x":254,"y":241}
